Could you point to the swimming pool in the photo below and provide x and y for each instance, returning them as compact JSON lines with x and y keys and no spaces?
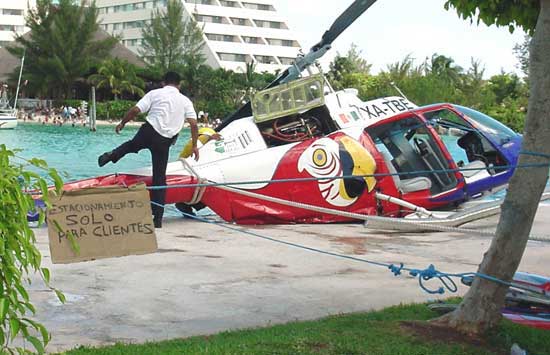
{"x":74,"y":150}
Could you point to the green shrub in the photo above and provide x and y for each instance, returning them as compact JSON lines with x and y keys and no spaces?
{"x":18,"y":252}
{"x":114,"y":110}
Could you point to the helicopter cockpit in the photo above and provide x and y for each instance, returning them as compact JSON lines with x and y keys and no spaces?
{"x":410,"y":150}
{"x":472,"y":151}
{"x":293,"y":112}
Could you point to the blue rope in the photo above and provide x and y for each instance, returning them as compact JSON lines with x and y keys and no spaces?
{"x":424,"y":275}
{"x":536,"y":154}
{"x":212,"y":184}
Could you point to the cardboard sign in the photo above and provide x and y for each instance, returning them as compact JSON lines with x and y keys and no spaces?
{"x":105,"y":222}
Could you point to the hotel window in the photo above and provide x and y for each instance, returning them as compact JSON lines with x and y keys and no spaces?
{"x":252,"y":40}
{"x":262,"y":7}
{"x":12,"y":12}
{"x":221,"y":38}
{"x":12,"y":28}
{"x":202,"y":2}
{"x":270,"y":24}
{"x":232,"y":57}
{"x":139,"y":6}
{"x":160,"y":3}
{"x":240,"y":21}
{"x":286,"y":60}
{"x":134,"y":24}
{"x":265,"y":59}
{"x":132,"y":42}
{"x":282,"y":42}
{"x":229,"y":3}
{"x":209,"y":19}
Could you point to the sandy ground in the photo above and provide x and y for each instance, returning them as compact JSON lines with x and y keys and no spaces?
{"x":205,"y":278}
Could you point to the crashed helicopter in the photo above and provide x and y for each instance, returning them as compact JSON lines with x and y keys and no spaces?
{"x":301,"y":142}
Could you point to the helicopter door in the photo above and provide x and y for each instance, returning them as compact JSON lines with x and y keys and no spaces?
{"x":411,"y":150}
{"x":474,"y":155}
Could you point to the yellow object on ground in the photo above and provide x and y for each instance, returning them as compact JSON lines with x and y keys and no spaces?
{"x":205,"y":134}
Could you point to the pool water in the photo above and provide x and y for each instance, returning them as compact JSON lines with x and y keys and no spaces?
{"x":74,"y":150}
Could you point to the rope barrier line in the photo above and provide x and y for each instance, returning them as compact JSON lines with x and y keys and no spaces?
{"x":382,"y":220}
{"x":547,"y":156}
{"x":423,"y":275}
{"x":357,"y":216}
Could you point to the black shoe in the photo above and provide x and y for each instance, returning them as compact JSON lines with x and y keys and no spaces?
{"x":104,"y":159}
{"x":185,"y":209}
{"x":157,"y":222}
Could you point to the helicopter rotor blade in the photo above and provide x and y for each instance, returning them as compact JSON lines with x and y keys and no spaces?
{"x":344,"y":21}
{"x":356,"y":9}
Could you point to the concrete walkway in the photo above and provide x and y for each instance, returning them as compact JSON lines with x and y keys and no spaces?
{"x":205,"y":279}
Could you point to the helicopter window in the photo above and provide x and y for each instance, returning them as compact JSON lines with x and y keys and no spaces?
{"x":488,"y":125}
{"x":288,"y":99}
{"x":413,"y":152}
{"x":466,"y":144}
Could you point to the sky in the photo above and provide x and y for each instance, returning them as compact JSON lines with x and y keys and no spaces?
{"x":391,"y":29}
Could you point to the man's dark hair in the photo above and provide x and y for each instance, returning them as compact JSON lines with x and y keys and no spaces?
{"x":172,"y":78}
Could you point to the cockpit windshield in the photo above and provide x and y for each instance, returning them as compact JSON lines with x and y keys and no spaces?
{"x":488,"y":125}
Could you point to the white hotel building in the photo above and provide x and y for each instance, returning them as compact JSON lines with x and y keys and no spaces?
{"x":235,"y":32}
{"x":12,"y":19}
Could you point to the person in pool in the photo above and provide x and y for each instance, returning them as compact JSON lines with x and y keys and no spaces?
{"x":167,"y":109}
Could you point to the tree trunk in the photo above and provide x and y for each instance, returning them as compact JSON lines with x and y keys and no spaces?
{"x":480,"y":309}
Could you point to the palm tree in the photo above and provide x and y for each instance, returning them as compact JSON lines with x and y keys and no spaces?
{"x":445,"y":68}
{"x":252,"y":80}
{"x":119,"y":76}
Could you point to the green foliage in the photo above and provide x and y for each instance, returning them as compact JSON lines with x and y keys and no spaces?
{"x":119,"y":76}
{"x":374,"y":333}
{"x":18,"y":253}
{"x":61,"y":48}
{"x":518,"y":13}
{"x":522,"y":54}
{"x":113,"y":110}
{"x":444,"y":68}
{"x":219,"y":92}
{"x":506,"y":86}
{"x":511,"y":112}
{"x":170,"y":41}
{"x":438,"y":79}
{"x":350,"y":63}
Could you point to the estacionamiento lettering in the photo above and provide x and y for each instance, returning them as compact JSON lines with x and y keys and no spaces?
{"x":92,"y":207}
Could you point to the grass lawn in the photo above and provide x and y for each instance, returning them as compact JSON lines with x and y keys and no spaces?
{"x":394,"y":331}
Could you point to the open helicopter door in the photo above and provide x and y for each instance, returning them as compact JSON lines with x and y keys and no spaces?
{"x":481,"y":157}
{"x":421,"y":169}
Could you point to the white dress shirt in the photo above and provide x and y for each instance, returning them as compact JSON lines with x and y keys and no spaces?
{"x":166,"y":110}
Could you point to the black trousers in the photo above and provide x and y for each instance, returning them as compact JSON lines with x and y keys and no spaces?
{"x":147,"y":138}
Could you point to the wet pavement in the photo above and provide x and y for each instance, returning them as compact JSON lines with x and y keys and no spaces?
{"x":205,"y":278}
